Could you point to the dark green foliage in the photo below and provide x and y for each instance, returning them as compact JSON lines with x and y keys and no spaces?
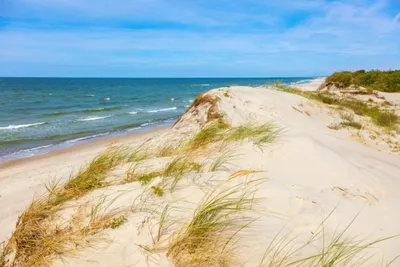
{"x":352,"y":124}
{"x":386,"y":119}
{"x":387,"y":81}
{"x":342,"y":79}
{"x":158,"y":191}
{"x":326,"y":99}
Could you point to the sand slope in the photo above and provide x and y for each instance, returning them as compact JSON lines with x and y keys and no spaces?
{"x":310,"y":171}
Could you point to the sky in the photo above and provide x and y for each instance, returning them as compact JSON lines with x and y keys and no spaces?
{"x":197,"y":38}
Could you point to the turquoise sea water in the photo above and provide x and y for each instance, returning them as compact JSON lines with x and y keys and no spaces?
{"x":41,"y":114}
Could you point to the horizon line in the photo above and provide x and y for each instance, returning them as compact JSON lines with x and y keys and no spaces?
{"x":202,"y":77}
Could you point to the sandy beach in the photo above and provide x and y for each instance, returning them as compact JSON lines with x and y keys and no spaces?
{"x":23,"y":179}
{"x":299,"y":174}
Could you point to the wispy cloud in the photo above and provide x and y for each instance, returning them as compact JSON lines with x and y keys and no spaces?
{"x":196,"y":38}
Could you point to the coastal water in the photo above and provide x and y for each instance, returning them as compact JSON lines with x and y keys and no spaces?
{"x":41,"y":114}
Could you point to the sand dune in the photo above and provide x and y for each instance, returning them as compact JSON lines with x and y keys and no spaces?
{"x":300,"y":177}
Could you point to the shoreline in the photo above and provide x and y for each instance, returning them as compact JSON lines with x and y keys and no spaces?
{"x":90,"y":144}
{"x":85,"y":140}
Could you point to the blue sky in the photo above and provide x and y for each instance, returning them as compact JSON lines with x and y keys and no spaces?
{"x":196,"y":38}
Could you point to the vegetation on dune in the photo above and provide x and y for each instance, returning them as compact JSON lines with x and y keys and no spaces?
{"x":210,"y":100}
{"x":387,"y":81}
{"x":207,"y":239}
{"x":380,"y":116}
{"x":332,"y":251}
{"x":259,"y":134}
{"x":210,"y":133}
{"x":350,"y":122}
{"x":33,"y":239}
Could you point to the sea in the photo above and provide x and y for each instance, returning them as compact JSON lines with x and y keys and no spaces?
{"x":38,"y":115}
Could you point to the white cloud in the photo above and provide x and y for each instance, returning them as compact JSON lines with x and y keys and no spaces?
{"x":252,"y":34}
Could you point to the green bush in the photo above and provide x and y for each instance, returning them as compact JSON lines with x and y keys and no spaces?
{"x":341,"y":79}
{"x":387,"y":81}
{"x":387,"y":119}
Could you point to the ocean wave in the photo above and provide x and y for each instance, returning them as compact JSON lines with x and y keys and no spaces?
{"x":301,"y":81}
{"x":147,"y":124}
{"x":134,"y":129}
{"x":107,"y":98}
{"x":35,"y":148}
{"x":86,"y":138}
{"x":93,"y":118}
{"x":132,"y":112}
{"x":12,"y":127}
{"x":89,"y":95}
{"x":161,"y":110}
{"x":85,"y":111}
{"x":200,"y":84}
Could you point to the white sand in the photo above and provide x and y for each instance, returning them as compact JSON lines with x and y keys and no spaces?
{"x":310,"y":170}
{"x":22,"y":180}
{"x":312,"y":85}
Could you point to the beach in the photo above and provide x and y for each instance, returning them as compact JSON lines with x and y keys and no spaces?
{"x":23,"y":179}
{"x":274,"y":150}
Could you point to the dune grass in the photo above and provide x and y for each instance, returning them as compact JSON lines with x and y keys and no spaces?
{"x":335,"y":251}
{"x":167,"y":150}
{"x":210,"y":133}
{"x":259,"y":134}
{"x":207,"y":239}
{"x":34,"y":238}
{"x":221,"y":162}
{"x":349,"y":121}
{"x":174,"y":171}
{"x":243,"y":173}
{"x":170,"y":175}
{"x":380,"y":117}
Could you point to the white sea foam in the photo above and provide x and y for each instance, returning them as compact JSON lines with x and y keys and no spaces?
{"x":172,"y":99}
{"x":132,"y":112}
{"x":160,"y":110}
{"x":86,"y":137}
{"x":147,"y":124}
{"x":89,"y":95}
{"x":93,"y":118}
{"x":186,"y":106}
{"x":205,"y":84}
{"x":11,"y":127}
{"x":301,"y":81}
{"x":190,"y":100}
{"x":107,"y":98}
{"x":134,"y":129}
{"x":35,"y":148}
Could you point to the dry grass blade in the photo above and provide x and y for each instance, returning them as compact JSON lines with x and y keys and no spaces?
{"x":175,"y":170}
{"x":210,"y":133}
{"x":339,"y":251}
{"x":218,"y":218}
{"x":259,"y":134}
{"x":33,"y":239}
{"x":168,"y":150}
{"x":222,"y":161}
{"x":243,"y":173}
